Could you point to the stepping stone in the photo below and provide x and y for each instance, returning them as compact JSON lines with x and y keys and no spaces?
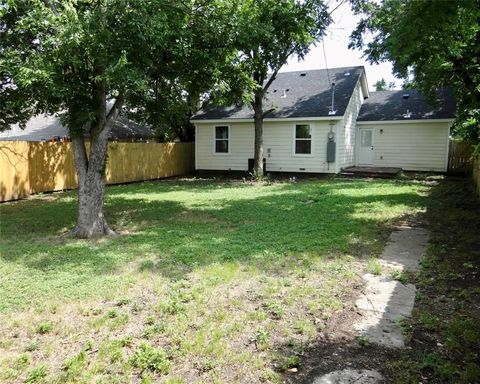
{"x":383,"y":304}
{"x":380,"y":331}
{"x":386,"y":296}
{"x":405,"y":249}
{"x":350,"y":376}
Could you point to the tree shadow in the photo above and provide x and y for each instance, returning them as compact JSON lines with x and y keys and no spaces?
{"x":14,"y":183}
{"x":51,"y":167}
{"x":311,"y":219}
{"x":171,"y":228}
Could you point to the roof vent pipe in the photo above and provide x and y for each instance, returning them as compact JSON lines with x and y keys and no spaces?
{"x":406,"y":95}
{"x":332,"y":109}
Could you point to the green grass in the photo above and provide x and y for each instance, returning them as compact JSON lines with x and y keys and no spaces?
{"x":215,"y":275}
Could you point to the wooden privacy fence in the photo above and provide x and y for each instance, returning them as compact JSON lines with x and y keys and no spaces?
{"x":33,"y":167}
{"x":459,"y":156}
{"x":476,"y":174}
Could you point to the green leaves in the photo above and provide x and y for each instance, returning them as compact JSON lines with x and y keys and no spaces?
{"x":435,"y":42}
{"x":165,"y":57}
{"x":268,"y":32}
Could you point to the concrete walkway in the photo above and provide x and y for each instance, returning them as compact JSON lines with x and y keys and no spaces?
{"x":385,"y":301}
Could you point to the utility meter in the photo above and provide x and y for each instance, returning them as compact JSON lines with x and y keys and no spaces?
{"x":331,"y":147}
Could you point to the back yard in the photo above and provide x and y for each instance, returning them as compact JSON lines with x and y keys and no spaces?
{"x":207,"y":282}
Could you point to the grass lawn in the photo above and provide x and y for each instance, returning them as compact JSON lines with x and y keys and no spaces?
{"x":207,"y":282}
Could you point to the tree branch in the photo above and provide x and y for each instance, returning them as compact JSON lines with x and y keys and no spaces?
{"x":271,"y":79}
{"x":280,"y":65}
{"x":340,"y":3}
{"x":115,"y":111}
{"x":268,"y":111}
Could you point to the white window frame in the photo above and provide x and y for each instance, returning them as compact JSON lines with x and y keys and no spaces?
{"x":294,"y":137}
{"x":215,"y":140}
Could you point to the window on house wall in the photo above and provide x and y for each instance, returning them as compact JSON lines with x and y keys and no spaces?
{"x":303,"y":139}
{"x":221,"y":139}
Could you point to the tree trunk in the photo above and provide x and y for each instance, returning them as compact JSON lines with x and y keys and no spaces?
{"x":258,"y":121}
{"x":91,"y":221}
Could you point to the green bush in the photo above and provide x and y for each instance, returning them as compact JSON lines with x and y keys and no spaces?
{"x":44,"y":327}
{"x":148,"y":358}
{"x":37,"y":374}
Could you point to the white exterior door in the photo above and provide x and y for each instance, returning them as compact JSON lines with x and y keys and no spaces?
{"x":365,"y":148}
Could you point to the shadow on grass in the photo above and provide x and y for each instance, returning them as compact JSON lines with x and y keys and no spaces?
{"x":174,"y":237}
{"x":170,"y":229}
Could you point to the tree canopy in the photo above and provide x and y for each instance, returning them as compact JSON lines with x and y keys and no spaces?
{"x":269,"y":32}
{"x":382,"y":85}
{"x":435,"y":44}
{"x":88,"y":60}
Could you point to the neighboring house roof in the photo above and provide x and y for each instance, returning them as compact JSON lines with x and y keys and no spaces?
{"x":45,"y":127}
{"x":406,"y":105}
{"x":308,"y":94}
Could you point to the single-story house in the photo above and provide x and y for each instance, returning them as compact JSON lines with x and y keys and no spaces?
{"x":49,"y":127}
{"x":316,"y":128}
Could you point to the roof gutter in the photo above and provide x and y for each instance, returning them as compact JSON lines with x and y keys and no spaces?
{"x":268,"y":119}
{"x":404,"y":121}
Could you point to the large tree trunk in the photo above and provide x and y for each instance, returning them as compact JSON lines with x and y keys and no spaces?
{"x":258,"y":121}
{"x":91,"y":221}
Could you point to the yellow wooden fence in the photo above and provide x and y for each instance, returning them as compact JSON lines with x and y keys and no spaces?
{"x":33,"y":167}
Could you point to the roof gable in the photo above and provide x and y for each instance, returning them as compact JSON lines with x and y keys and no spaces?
{"x":298,"y":94}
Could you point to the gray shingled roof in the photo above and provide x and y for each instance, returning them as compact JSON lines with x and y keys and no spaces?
{"x":307,"y":96}
{"x":44,"y":127}
{"x":391,"y":105}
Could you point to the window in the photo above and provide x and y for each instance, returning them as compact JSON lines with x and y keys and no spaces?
{"x":366,"y":138}
{"x":221,"y":139}
{"x":303,"y":139}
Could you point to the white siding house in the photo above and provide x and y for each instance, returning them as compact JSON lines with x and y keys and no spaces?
{"x":413,"y":146}
{"x":348,"y":129}
{"x":279,"y":146}
{"x":401,"y":129}
{"x":379,"y":129}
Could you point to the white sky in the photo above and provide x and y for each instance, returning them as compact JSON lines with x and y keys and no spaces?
{"x":337,"y":52}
